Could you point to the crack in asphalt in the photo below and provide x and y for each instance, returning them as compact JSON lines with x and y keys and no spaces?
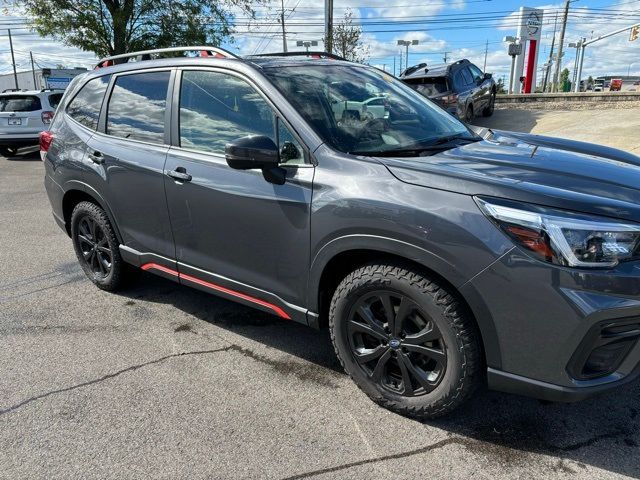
{"x":434,"y":446}
{"x":465,"y":442}
{"x":108,"y":377}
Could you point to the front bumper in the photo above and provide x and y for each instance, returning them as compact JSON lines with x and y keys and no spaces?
{"x":545,"y":317}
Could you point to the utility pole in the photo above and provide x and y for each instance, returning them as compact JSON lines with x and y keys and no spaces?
{"x":13,"y":60}
{"x":445,"y":56}
{"x":284,"y":33}
{"x":550,"y":62}
{"x":486,"y":49}
{"x":33,"y":71}
{"x":328,"y":25}
{"x":394,"y":65}
{"x":556,"y":74}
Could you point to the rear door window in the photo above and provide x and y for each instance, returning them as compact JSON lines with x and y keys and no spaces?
{"x":19,"y":103}
{"x":137,"y":107}
{"x":466,"y":76}
{"x":54,"y":100}
{"x":476,"y":73}
{"x":85,"y":106}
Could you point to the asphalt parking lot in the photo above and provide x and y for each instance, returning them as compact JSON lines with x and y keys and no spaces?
{"x":167,"y":382}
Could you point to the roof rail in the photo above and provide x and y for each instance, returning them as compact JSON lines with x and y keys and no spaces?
{"x":50,"y":89}
{"x":332,"y":56}
{"x":414,"y":69}
{"x":204,"y":51}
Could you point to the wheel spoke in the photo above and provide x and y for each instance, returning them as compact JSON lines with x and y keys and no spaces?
{"x":389,"y":312}
{"x":377,"y":373}
{"x":105,"y":250}
{"x":101,"y":264}
{"x":417,"y":373}
{"x":85,"y":239}
{"x":437,"y":355}
{"x":428,"y":334}
{"x":367,"y":329}
{"x":406,"y":377}
{"x":404,"y":309}
{"x":87,"y":255}
{"x":94,"y":231}
{"x":366,"y":355}
{"x":365,"y":313}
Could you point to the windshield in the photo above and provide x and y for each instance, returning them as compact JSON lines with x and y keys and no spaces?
{"x":358,"y":109}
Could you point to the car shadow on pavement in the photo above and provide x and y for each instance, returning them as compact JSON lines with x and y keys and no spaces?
{"x":25,"y":154}
{"x":603,"y":432}
{"x":513,"y":119}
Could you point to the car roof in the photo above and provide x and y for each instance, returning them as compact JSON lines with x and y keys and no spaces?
{"x":31,"y":92}
{"x":428,"y":71}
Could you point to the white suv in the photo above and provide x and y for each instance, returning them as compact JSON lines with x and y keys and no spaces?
{"x":23,"y":115}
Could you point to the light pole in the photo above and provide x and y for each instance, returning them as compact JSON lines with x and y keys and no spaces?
{"x":406,"y":43}
{"x":307,"y":44}
{"x":629,"y":69}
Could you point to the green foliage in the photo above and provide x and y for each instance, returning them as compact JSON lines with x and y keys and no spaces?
{"x":347,"y":40}
{"x":111,"y":27}
{"x":500,"y":88}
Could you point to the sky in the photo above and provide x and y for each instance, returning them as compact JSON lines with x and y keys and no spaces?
{"x":462,"y":28}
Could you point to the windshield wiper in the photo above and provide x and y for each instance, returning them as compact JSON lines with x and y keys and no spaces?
{"x":440,"y":145}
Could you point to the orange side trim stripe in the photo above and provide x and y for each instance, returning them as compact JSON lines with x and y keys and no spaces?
{"x":278,"y":311}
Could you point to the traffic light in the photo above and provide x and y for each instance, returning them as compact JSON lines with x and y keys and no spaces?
{"x":635,"y":33}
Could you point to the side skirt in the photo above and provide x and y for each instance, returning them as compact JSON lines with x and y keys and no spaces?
{"x":216,"y":284}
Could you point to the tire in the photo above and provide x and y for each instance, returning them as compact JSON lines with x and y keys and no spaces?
{"x":8,"y":151}
{"x":97,"y":247}
{"x":391,"y":367}
{"x":468,"y":113}
{"x":487,"y":112}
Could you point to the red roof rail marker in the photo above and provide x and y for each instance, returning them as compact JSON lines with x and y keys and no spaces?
{"x":203,"y":51}
{"x":277,"y":310}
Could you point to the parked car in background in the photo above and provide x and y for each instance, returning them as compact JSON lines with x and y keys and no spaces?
{"x":23,"y":115}
{"x":616,"y":85}
{"x":460,"y":87}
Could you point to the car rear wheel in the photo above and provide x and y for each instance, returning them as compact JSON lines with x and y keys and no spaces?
{"x":488,"y":111}
{"x":7,"y":151}
{"x":405,"y":340}
{"x":97,"y":247}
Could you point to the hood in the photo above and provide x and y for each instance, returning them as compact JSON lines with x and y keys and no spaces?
{"x":542,"y":170}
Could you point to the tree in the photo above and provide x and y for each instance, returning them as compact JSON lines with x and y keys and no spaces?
{"x":500,"y":87}
{"x":590,"y":81}
{"x":564,"y":81}
{"x":346,"y":40}
{"x":111,"y":27}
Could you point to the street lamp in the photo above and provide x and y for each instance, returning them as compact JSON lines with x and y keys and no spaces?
{"x":307,"y":44}
{"x":629,"y":69}
{"x":406,"y":43}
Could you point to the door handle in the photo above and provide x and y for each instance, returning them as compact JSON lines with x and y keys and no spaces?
{"x":180,"y":174}
{"x":96,"y":157}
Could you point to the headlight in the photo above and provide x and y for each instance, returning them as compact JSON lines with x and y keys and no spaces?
{"x":566,"y":238}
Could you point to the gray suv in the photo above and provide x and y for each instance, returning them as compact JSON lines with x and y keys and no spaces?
{"x":440,"y":256}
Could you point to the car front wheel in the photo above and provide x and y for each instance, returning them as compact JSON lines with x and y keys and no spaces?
{"x":488,"y":111}
{"x":405,"y":340}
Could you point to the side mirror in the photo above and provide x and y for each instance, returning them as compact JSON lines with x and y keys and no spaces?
{"x":256,"y":152}
{"x":488,"y":76}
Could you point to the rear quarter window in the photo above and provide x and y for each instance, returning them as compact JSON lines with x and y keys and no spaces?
{"x":85,"y":106}
{"x":20,"y":103}
{"x":54,"y":100}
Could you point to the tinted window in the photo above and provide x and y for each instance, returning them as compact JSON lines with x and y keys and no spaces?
{"x":216,"y":108}
{"x":85,"y":107}
{"x":54,"y":100}
{"x":19,"y":103}
{"x":137,"y":106}
{"x":429,"y":86}
{"x":476,"y":72}
{"x":291,"y":151}
{"x":466,"y":76}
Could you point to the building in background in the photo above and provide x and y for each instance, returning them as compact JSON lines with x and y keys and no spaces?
{"x":57,"y":78}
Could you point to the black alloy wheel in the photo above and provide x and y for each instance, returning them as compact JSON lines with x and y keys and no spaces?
{"x":405,"y":339}
{"x":396,"y":343}
{"x":94,"y":246}
{"x":98,"y":249}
